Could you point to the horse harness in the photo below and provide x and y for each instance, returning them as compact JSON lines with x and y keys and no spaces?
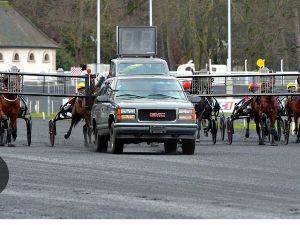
{"x":7,"y":99}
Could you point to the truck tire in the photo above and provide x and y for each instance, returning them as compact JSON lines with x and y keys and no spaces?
{"x":101,"y":143}
{"x":116,"y":144}
{"x":188,"y":146}
{"x":170,"y":146}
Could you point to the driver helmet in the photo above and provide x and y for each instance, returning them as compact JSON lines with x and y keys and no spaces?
{"x":80,"y":86}
{"x":253,"y":87}
{"x":291,"y":85}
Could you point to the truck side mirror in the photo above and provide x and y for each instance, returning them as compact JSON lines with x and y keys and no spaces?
{"x":195,"y":99}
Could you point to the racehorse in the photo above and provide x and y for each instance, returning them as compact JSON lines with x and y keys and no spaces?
{"x":203,"y":85}
{"x":292,"y":106}
{"x":80,"y":107}
{"x":80,"y":111}
{"x":9,"y":109}
{"x":263,"y":108}
{"x":203,"y":111}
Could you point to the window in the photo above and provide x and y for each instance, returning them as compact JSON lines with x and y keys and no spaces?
{"x":149,"y":88}
{"x":31,"y":57}
{"x":46,"y":58}
{"x":16,"y":57}
{"x":142,"y":68}
{"x":1,"y":57}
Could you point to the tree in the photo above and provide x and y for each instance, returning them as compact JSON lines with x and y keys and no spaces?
{"x":190,"y":29}
{"x":63,"y":59}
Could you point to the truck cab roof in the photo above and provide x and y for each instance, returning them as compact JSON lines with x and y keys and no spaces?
{"x":138,"y":66}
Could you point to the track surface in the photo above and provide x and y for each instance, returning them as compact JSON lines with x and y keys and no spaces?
{"x":242,"y":180}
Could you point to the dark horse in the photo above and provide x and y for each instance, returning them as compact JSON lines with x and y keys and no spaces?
{"x":9,"y":110}
{"x":292,"y":106}
{"x":265,"y":108}
{"x":80,"y":107}
{"x":80,"y":110}
{"x":204,"y":108}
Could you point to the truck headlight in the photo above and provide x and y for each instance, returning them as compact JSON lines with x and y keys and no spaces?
{"x":126,"y":114}
{"x":185,"y":111}
{"x":186,"y":114}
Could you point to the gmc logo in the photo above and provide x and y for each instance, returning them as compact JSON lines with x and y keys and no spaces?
{"x":157,"y":115}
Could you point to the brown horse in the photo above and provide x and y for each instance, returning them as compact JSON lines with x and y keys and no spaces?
{"x":292,"y":106}
{"x":264,"y":108}
{"x":81,"y":109}
{"x":9,"y":111}
{"x":203,"y":112}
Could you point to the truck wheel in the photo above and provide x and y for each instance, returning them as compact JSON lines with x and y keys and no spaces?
{"x":101,"y":143}
{"x":170,"y":146}
{"x":116,"y":144}
{"x":188,"y":146}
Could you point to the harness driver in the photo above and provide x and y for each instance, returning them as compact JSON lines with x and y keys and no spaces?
{"x":68,"y":108}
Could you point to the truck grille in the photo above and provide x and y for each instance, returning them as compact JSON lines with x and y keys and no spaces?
{"x":157,"y":114}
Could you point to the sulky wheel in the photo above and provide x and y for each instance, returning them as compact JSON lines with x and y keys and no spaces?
{"x":29,"y":128}
{"x":222,"y":128}
{"x":214,"y":130}
{"x":286,"y":131}
{"x":230,"y":130}
{"x":52,"y":132}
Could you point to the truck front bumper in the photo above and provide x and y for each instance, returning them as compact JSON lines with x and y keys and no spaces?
{"x":154,"y":131}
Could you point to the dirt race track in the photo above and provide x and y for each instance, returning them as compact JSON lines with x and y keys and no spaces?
{"x":242,"y":180}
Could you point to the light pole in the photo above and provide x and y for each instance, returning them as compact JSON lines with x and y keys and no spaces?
{"x":150,"y":12}
{"x":228,"y":81}
{"x":229,"y":38}
{"x":98,"y":37}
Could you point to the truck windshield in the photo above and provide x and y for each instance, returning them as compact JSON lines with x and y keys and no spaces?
{"x":141,"y":68}
{"x":149,"y":88}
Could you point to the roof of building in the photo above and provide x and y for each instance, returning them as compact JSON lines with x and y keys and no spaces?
{"x":18,"y":31}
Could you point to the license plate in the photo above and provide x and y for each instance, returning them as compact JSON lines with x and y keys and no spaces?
{"x":158,"y":129}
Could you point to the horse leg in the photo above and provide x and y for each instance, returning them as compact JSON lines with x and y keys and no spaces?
{"x":199,"y":113}
{"x":258,"y":130}
{"x":14,"y":133}
{"x":1,"y":133}
{"x":90,"y":134}
{"x":273,"y":131}
{"x":247,"y":128}
{"x":3,"y":126}
{"x":199,"y":125}
{"x":67,"y":135}
{"x":264,"y":124}
{"x":205,"y":127}
{"x":87,"y":118}
{"x":9,"y":131}
{"x":85,"y":131}
{"x":296,"y":117}
{"x":12,"y":129}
